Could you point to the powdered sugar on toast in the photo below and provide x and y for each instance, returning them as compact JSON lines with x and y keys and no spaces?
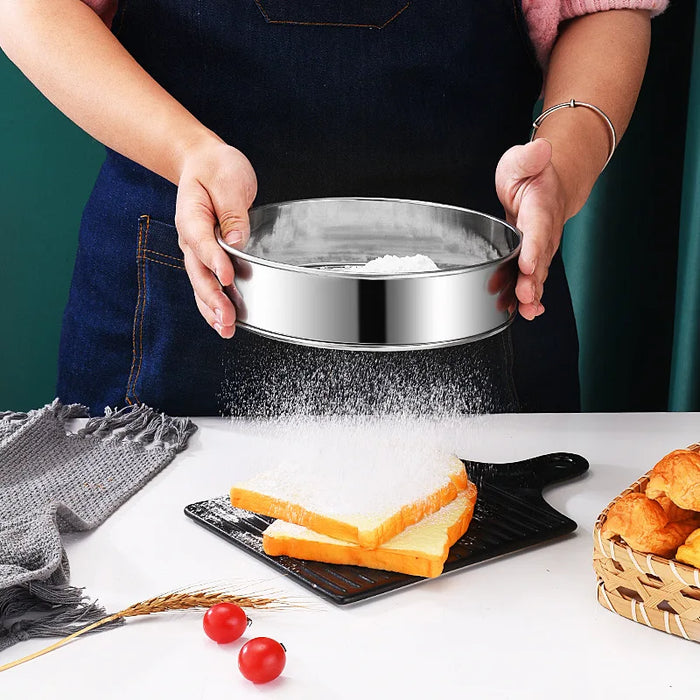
{"x":429,"y":536}
{"x":360,"y":484}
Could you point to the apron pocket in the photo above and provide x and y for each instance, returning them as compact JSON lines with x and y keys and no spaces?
{"x":340,"y":13}
{"x":177,"y":359}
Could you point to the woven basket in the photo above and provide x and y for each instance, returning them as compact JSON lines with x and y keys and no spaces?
{"x":649,"y":589}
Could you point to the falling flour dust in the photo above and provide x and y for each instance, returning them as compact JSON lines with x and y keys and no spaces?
{"x":336,"y":408}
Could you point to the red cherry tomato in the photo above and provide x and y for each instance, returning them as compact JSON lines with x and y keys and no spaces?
{"x":261,"y":659}
{"x":225,"y":622}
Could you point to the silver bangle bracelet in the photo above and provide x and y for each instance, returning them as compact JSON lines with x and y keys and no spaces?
{"x":574,"y":103}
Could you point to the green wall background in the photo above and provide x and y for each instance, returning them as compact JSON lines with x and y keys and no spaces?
{"x":47,"y":167}
{"x":621,"y":251}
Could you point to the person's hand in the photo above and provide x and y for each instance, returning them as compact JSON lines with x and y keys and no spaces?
{"x":534,"y":201}
{"x":216,"y":188}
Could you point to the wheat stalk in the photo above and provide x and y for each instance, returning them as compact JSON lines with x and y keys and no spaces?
{"x":180,"y":599}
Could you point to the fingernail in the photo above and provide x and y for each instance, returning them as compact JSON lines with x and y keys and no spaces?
{"x":218,"y":328}
{"x":233,"y":237}
{"x":527,"y":267}
{"x":219,"y":316}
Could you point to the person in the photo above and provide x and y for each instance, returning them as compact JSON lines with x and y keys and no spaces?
{"x":207,"y":108}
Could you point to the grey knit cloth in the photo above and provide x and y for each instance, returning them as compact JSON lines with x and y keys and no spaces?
{"x":53,"y":481}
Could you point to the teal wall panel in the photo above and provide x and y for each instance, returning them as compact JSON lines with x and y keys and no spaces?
{"x":47,"y":167}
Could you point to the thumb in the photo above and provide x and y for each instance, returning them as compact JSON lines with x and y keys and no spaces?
{"x":531,"y":158}
{"x":234,"y":222}
{"x":522,"y":162}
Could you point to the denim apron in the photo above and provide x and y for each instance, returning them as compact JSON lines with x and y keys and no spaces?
{"x":389,"y":98}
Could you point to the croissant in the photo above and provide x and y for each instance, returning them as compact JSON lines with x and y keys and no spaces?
{"x":674,"y":513}
{"x":689,"y":553}
{"x":677,"y":476}
{"x":645,"y":525}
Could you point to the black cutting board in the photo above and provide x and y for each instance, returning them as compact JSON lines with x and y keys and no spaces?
{"x":510,"y":514}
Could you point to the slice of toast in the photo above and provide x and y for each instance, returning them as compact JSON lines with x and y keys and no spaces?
{"x":420,"y":550}
{"x":367,"y":505}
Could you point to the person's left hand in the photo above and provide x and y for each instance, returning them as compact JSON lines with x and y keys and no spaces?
{"x":534,"y":201}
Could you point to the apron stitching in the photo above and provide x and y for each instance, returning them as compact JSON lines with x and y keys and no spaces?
{"x":141,"y":294}
{"x":162,"y":255}
{"x":138,"y":304}
{"x":143,"y":309}
{"x":327,"y":24}
{"x":160,"y":262}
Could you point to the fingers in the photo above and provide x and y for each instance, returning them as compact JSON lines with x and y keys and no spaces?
{"x":208,"y":265}
{"x":195,"y":222}
{"x":214,"y":305}
{"x":529,"y":290}
{"x":533,"y":199}
{"x":216,"y":188}
{"x":208,"y":290}
{"x":213,"y":319}
{"x":530,"y":311}
{"x":540,"y":237}
{"x":538,"y":248}
{"x":541,"y":220}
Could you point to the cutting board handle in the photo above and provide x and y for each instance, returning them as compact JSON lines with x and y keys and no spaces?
{"x":558,"y":466}
{"x":533,"y":473}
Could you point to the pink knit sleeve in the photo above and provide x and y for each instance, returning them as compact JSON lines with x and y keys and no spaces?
{"x":543,"y":17}
{"x":106,"y":9}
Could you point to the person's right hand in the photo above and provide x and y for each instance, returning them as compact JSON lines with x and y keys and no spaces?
{"x":216,"y":188}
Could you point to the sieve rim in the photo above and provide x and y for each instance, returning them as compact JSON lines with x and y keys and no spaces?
{"x":340,"y":274}
{"x":377,"y":347}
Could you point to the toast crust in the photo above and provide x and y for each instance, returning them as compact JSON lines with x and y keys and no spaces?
{"x":400,"y":559}
{"x":367,"y":534}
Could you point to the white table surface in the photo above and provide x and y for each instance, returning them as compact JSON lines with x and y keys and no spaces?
{"x":523,"y":626}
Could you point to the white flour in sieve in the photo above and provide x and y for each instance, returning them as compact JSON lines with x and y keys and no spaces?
{"x":472,"y":250}
{"x":394,"y":264}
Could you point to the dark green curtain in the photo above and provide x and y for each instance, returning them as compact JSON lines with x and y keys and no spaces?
{"x":633,"y":253}
{"x":685,"y":367}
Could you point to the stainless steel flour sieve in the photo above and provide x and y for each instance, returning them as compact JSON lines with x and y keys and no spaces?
{"x":292,"y":286}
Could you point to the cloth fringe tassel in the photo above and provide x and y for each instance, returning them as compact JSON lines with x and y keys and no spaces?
{"x":47,"y":610}
{"x":12,"y":421}
{"x":141,"y":425}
